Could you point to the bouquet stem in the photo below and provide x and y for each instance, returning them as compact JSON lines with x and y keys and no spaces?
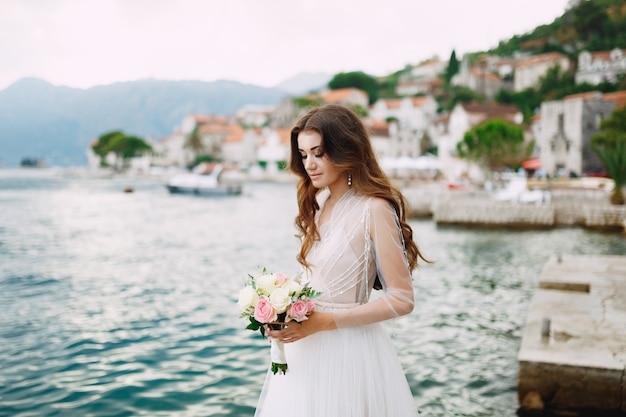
{"x":277,"y":353}
{"x":277,"y":349}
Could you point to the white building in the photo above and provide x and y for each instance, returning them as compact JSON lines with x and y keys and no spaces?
{"x":274,"y":149}
{"x":597,"y":67}
{"x":484,"y":77}
{"x":254,"y":115}
{"x":422,"y":78}
{"x":429,"y":69}
{"x":412,"y":113}
{"x":529,"y":71}
{"x":390,"y":141}
{"x":464,"y":117}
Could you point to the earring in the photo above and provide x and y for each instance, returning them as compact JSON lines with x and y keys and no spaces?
{"x":349,"y":180}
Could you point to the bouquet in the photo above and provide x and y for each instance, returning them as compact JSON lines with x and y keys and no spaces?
{"x":269,"y":297}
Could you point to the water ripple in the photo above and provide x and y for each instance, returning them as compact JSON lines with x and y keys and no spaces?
{"x":123,"y":305}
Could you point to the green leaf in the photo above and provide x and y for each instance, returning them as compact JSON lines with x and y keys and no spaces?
{"x":256,"y":325}
{"x":276,"y":367}
{"x":252,"y":326}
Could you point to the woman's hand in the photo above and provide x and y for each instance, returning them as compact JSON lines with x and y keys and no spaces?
{"x":293,"y":331}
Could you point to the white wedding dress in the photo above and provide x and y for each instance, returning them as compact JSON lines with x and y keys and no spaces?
{"x":353,"y":371}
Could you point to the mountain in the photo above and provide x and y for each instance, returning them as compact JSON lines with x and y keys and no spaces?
{"x":305,"y":82}
{"x":57,"y":123}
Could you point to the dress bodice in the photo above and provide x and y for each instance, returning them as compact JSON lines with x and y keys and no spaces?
{"x":342,"y":262}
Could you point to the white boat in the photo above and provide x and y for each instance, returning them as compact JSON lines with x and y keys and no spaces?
{"x":198,"y":182}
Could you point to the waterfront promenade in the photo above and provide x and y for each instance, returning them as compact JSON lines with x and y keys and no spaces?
{"x":588,"y":208}
{"x":572,"y":357}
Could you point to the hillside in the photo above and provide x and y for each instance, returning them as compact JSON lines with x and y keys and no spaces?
{"x":593,"y":25}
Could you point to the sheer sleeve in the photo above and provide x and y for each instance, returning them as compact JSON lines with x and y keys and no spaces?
{"x":392,"y":269}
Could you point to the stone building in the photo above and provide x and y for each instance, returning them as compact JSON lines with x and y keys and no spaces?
{"x":566,"y":128}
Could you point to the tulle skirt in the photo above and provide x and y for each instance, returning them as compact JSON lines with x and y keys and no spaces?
{"x":351,"y":372}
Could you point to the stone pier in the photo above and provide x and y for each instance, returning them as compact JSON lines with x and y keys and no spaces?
{"x":572,"y":358}
{"x":479,"y":209}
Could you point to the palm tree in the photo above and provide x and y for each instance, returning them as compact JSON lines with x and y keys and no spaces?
{"x":610,"y":145}
{"x":194,"y":142}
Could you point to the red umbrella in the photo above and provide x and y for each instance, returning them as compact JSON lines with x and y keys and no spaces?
{"x":534,"y":163}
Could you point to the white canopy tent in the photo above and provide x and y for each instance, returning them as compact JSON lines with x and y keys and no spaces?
{"x":422,"y":163}
{"x":424,"y":166}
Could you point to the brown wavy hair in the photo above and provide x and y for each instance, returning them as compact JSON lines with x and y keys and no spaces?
{"x":347,"y":144}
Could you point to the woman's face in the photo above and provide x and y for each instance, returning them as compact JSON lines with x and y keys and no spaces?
{"x":318,"y":166}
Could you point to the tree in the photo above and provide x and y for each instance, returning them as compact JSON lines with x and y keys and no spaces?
{"x":458,"y":94}
{"x":307,"y":102}
{"x":495,"y":144}
{"x":123,"y":146}
{"x":528,"y":100}
{"x":357,"y":79}
{"x":193,"y":141}
{"x":100,"y":147}
{"x":610,"y":145}
{"x":589,"y":19}
{"x":557,"y":83}
{"x":453,"y":67}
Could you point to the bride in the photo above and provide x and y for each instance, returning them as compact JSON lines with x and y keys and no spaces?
{"x":352,"y":225}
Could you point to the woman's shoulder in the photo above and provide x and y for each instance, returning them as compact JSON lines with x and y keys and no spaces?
{"x":380,"y":205}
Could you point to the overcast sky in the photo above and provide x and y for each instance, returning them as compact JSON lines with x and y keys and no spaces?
{"x":82,"y":43}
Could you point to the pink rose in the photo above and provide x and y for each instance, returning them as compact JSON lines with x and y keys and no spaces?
{"x":310,"y":306}
{"x":280,"y":278}
{"x":298,"y":311}
{"x":264,"y":312}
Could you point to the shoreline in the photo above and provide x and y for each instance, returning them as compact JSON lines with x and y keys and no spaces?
{"x":572,"y":203}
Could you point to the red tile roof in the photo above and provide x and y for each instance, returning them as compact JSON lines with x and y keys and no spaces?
{"x":589,"y":95}
{"x":485,"y":75}
{"x":540,"y":59}
{"x":492,"y":110}
{"x":604,"y":55}
{"x":378,"y":128}
{"x":284,"y":134}
{"x":339,"y":95}
{"x":619,"y":97}
{"x":394,"y":103}
{"x":235,"y":134}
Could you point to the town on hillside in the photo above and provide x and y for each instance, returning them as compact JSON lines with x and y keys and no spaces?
{"x":410,"y":133}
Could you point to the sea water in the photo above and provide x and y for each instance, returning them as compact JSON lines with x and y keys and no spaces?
{"x":123,"y":304}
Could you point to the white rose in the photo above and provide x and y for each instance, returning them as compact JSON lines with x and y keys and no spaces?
{"x":248,"y":299}
{"x":280,"y":300}
{"x":292,"y":286}
{"x":266,"y":283}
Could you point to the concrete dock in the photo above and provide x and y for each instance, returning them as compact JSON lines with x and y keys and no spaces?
{"x":572,"y":358}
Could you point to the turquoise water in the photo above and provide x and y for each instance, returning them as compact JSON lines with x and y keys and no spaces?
{"x":122,"y":304}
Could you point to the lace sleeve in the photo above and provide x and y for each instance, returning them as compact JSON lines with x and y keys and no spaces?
{"x":392,"y":270}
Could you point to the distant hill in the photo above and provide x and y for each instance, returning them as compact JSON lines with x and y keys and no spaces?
{"x":305,"y":82}
{"x":56,"y":123}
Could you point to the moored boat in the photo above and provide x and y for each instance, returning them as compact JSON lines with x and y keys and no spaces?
{"x":204,"y":182}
